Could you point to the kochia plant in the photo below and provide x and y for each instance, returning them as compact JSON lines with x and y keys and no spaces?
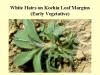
{"x":46,"y":47}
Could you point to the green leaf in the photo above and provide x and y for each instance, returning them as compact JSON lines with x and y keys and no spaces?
{"x":62,"y":39}
{"x":74,"y":35}
{"x":53,"y":61}
{"x":64,"y":55}
{"x":54,"y":46}
{"x":50,"y":68}
{"x":51,"y":27}
{"x":74,"y":46}
{"x":76,"y":41}
{"x":13,"y":20}
{"x":69,"y":43}
{"x":37,"y":62}
{"x":48,"y":65}
{"x":49,"y":31}
{"x":23,"y":44}
{"x":24,"y":57}
{"x":30,"y":29}
{"x":22,"y":35}
{"x":42,"y":35}
{"x":69,"y":36}
{"x":58,"y":30}
{"x":42,"y":28}
{"x":54,"y":69}
{"x":70,"y":51}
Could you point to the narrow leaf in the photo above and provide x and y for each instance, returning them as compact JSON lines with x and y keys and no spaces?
{"x":69,"y":51}
{"x":62,"y":39}
{"x":51,"y":27}
{"x":75,"y":41}
{"x":69,"y":43}
{"x":69,"y":36}
{"x":64,"y":55}
{"x":24,"y":57}
{"x":42,"y":34}
{"x":50,"y":30}
{"x":74,"y":35}
{"x":23,"y":44}
{"x":37,"y":62}
{"x":74,"y":46}
{"x":30,"y":29}
{"x":42,"y":28}
{"x":50,"y":68}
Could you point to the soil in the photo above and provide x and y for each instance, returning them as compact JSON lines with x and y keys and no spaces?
{"x":82,"y":61}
